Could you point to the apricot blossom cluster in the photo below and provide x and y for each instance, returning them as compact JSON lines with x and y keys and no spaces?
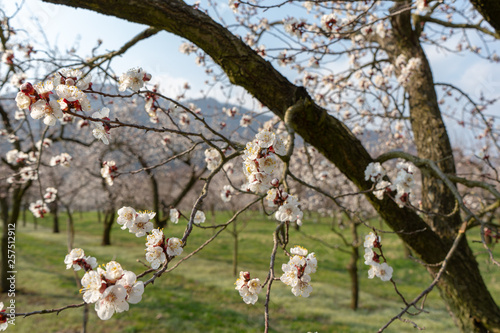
{"x":372,"y":258}
{"x":296,"y":273}
{"x":67,"y":84}
{"x":401,"y":188}
{"x":249,"y":289}
{"x":39,"y":209}
{"x":110,"y":287}
{"x":262,"y":166}
{"x":70,"y":86}
{"x":108,"y":171}
{"x":158,"y":248}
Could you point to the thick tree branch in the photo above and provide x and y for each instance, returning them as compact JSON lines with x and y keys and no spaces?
{"x":490,"y":10}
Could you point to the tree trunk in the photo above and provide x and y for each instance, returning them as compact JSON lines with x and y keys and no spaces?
{"x":70,"y":229}
{"x":156,"y":202}
{"x":9,"y":224}
{"x":5,"y":257}
{"x":235,"y":249}
{"x":462,"y":287}
{"x":109,"y":218}
{"x":352,"y":266}
{"x":55,"y":217}
{"x":433,"y":143}
{"x":85,"y":318}
{"x":4,"y":283}
{"x":25,"y":208}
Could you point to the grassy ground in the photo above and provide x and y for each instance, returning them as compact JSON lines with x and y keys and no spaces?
{"x":199,"y":295}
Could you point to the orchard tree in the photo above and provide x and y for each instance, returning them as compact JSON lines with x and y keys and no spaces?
{"x":386,"y":88}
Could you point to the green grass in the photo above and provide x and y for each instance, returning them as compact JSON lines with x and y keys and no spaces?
{"x":199,"y":295}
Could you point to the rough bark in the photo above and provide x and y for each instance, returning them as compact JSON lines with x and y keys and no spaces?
{"x":432,"y":142}
{"x":490,"y":10}
{"x":430,"y":136}
{"x":462,"y":286}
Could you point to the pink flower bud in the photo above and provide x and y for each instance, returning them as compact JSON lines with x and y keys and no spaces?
{"x":27,"y":88}
{"x":275,"y":182}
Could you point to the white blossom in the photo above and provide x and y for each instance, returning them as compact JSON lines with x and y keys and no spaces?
{"x":17,"y":79}
{"x":155,"y":238}
{"x":374,"y":172}
{"x":72,"y":97}
{"x":23,"y":101}
{"x":126,"y":217}
{"x":112,"y":300}
{"x":246,"y":120}
{"x":370,"y":240}
{"x":156,"y":256}
{"x":328,"y":22}
{"x":380,"y":189}
{"x":382,"y":271}
{"x":134,"y":288}
{"x":72,"y":77}
{"x":108,"y":171}
{"x":50,"y":194}
{"x":39,"y":209}
{"x":227,"y":193}
{"x":46,"y":143}
{"x":174,"y":247}
{"x":248,"y":288}
{"x":63,"y":159}
{"x":199,"y":217}
{"x":50,"y":111}
{"x":265,"y":138}
{"x":213,"y":158}
{"x":91,"y":286}
{"x":369,"y":254}
{"x":101,"y":131}
{"x":134,"y":79}
{"x":289,"y":211}
{"x":296,"y":271}
{"x":174,"y":215}
{"x":141,"y":224}
{"x":113,"y":271}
